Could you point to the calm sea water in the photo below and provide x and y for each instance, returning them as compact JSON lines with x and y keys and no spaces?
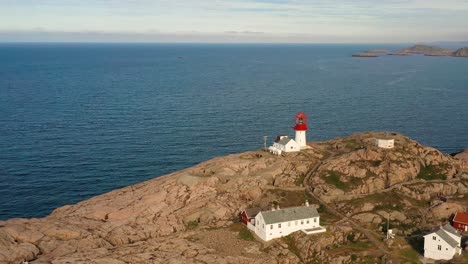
{"x":77,"y":120}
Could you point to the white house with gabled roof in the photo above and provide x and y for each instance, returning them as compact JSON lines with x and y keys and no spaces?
{"x":442,"y":243}
{"x":278,"y":222}
{"x":284,"y":144}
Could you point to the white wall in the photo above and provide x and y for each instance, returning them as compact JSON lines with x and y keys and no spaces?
{"x":292,"y":146}
{"x":386,"y":143}
{"x":266,"y":233}
{"x":279,"y":146}
{"x":301,"y":138}
{"x":431,"y":248}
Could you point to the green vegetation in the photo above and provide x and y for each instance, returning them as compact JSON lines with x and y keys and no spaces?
{"x":350,"y":237}
{"x":289,"y":240}
{"x":300,"y":179}
{"x":246,"y":235}
{"x":352,"y":144}
{"x":192,"y":224}
{"x":409,"y":254}
{"x":361,"y":244}
{"x":431,"y":172}
{"x":333,"y":178}
{"x":287,"y":198}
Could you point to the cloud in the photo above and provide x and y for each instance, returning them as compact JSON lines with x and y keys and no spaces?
{"x":402,"y":19}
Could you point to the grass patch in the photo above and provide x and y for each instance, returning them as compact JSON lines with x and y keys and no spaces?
{"x":409,"y":254}
{"x":352,"y":144}
{"x":246,"y":235}
{"x":360,"y":245}
{"x":333,"y":178}
{"x":431,"y":172}
{"x":286,"y":198}
{"x":300,"y":179}
{"x":289,"y":240}
{"x":192,"y":224}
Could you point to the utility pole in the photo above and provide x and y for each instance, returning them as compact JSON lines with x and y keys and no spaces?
{"x":264,"y":142}
{"x":388,"y":225}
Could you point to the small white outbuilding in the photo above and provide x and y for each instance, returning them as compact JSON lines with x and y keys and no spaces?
{"x":385,"y":143}
{"x":442,"y":243}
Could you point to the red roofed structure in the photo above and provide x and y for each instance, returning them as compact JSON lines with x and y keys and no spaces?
{"x":460,"y":221}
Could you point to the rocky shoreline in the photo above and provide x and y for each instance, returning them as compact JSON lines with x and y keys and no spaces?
{"x":192,"y":216}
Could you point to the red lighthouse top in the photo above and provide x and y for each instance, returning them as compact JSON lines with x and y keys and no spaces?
{"x":301,"y":124}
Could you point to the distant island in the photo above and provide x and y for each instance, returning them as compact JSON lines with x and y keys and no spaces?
{"x":365,"y":54}
{"x":426,"y":50}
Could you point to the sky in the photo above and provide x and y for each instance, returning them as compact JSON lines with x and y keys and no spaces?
{"x":270,"y":21}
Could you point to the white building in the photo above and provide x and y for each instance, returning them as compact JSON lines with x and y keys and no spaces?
{"x":443,"y":243}
{"x":385,"y":143}
{"x":282,"y":222}
{"x":284,"y":144}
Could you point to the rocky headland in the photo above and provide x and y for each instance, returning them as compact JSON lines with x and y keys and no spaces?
{"x":192,"y":216}
{"x":378,"y":51}
{"x":428,"y":50}
{"x":463,"y":52}
{"x":417,"y":49}
{"x":365,"y":55}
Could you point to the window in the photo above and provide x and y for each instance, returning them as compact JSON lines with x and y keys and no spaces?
{"x":279,"y":225}
{"x":433,"y":238}
{"x":302,"y":222}
{"x":271,"y":226}
{"x":307,"y":221}
{"x":439,"y":247}
{"x":315,"y":220}
{"x":263,"y":226}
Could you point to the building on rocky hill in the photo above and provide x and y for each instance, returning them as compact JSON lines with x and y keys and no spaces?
{"x":460,"y":221}
{"x":284,"y":144}
{"x":277,"y":222}
{"x":385,"y":143}
{"x":443,"y":243}
{"x":301,"y":127}
{"x":248,"y":215}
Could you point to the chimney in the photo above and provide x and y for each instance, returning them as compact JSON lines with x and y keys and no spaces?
{"x":273,"y":207}
{"x":307,"y":203}
{"x":277,"y":207}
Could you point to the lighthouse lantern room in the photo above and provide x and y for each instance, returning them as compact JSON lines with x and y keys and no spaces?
{"x":301,"y":128}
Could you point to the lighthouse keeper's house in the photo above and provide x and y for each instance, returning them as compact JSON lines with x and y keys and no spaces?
{"x":276,"y":223}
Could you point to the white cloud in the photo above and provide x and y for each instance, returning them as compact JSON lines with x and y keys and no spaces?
{"x":341,"y":19}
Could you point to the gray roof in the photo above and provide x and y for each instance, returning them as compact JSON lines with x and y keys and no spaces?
{"x":450,"y":229}
{"x":452,"y":242}
{"x":252,"y":212}
{"x":284,"y":140}
{"x":289,"y":214}
{"x":442,"y":232}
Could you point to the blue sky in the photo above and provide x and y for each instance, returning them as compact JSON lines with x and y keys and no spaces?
{"x":315,"y":21}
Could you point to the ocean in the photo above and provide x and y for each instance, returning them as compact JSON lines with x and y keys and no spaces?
{"x":78,"y":120}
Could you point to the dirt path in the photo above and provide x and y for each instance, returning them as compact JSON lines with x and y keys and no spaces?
{"x":369,"y":234}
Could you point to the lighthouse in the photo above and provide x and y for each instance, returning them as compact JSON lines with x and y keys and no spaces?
{"x":301,"y":128}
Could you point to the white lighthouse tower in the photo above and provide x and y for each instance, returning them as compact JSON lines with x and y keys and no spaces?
{"x":301,"y":128}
